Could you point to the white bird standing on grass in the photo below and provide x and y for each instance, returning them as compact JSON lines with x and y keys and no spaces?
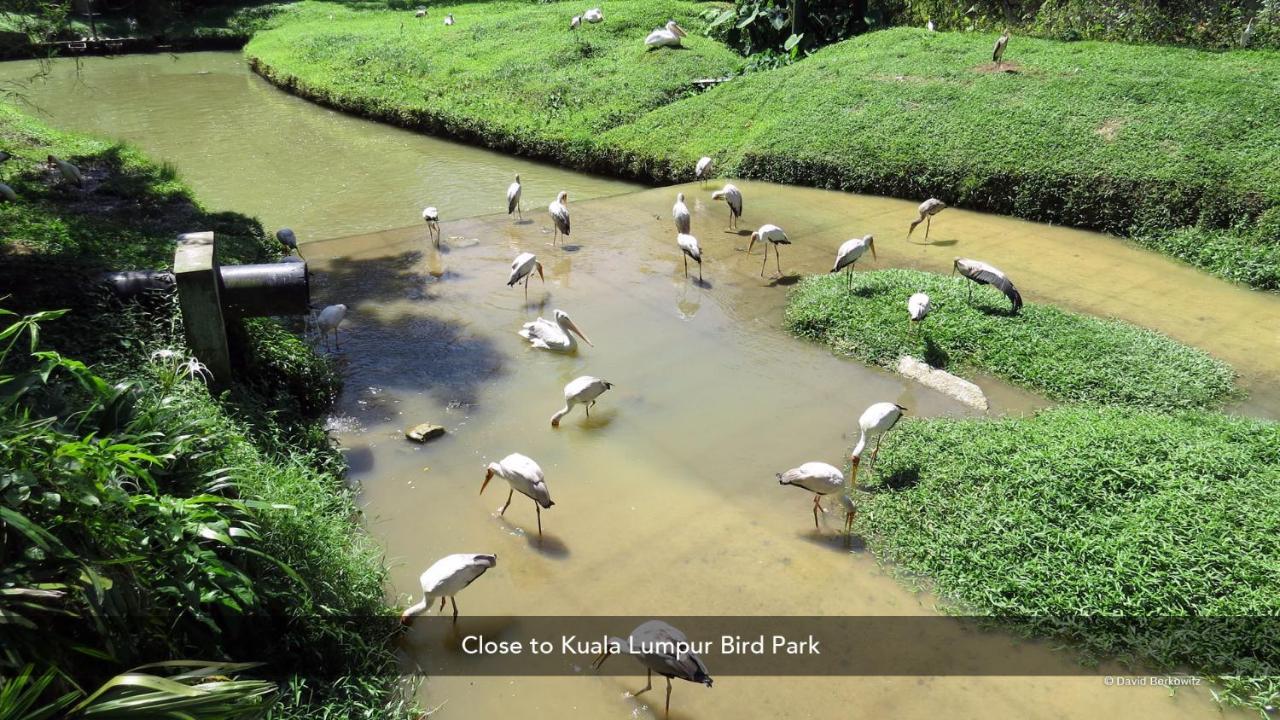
{"x":818,"y":478}
{"x":522,"y":474}
{"x":593,"y":16}
{"x":663,"y":649}
{"x":666,"y":36}
{"x":445,"y":579}
{"x":513,"y":198}
{"x":984,"y":274}
{"x":522,"y":269}
{"x":769,"y":235}
{"x":448,"y":19}
{"x":581,"y":391}
{"x":873,"y":424}
{"x":931,"y":26}
{"x":918,"y":307}
{"x":420,"y":12}
{"x":556,"y":336}
{"x":69,"y":172}
{"x":733,"y":198}
{"x":680,"y":213}
{"x":925,"y":214}
{"x":575,"y":22}
{"x":432,"y":218}
{"x":849,"y":252}
{"x":704,"y":169}
{"x":997,"y":55}
{"x":559,"y":210}
{"x":688,"y":245}
{"x":289,"y":240}
{"x":328,"y":321}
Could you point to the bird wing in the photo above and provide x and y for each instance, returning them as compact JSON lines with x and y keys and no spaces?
{"x":560,"y":214}
{"x":689,"y":244}
{"x":541,"y":331}
{"x":513,"y":197}
{"x":1001,"y":283}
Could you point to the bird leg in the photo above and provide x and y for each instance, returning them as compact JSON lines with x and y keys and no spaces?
{"x":766,"y":257}
{"x":648,"y":685}
{"x":686,"y":265}
{"x":539,"y":509}
{"x":928,"y":223}
{"x":777,"y":256}
{"x":454,"y":602}
{"x":441,"y":603}
{"x":699,"y":271}
{"x":871,"y":466}
{"x":510,"y":495}
{"x":527,"y":278}
{"x":667,"y":712}
{"x":848,"y":520}
{"x":336,"y":345}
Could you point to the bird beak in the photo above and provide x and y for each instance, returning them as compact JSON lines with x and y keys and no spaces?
{"x":574,"y":327}
{"x":406,"y":619}
{"x":754,"y":237}
{"x":600,"y":659}
{"x":872,"y":245}
{"x":488,"y":475}
{"x":541,"y":277}
{"x":680,"y":31}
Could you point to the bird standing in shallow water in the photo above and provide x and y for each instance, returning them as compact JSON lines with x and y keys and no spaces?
{"x":432,"y":218}
{"x":559,"y":210}
{"x":733,"y":198}
{"x":926,"y":211}
{"x":873,"y":424}
{"x":513,"y":198}
{"x":522,"y":474}
{"x":663,"y":649}
{"x":288,"y":240}
{"x":704,"y":169}
{"x":818,"y":478}
{"x":984,"y":274}
{"x":581,"y":391}
{"x":848,"y":254}
{"x":446,"y":578}
{"x":329,"y":320}
{"x":688,"y":245}
{"x":769,"y":235}
{"x":522,"y":269}
{"x":680,"y":213}
{"x":557,"y":336}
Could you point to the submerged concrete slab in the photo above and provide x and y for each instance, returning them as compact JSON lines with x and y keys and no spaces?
{"x":942,"y":381}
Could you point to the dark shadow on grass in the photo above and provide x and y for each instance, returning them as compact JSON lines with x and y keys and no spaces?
{"x":934,"y":355}
{"x":895,"y":481}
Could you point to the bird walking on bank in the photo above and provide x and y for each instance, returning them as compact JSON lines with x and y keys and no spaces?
{"x":447,"y":577}
{"x":666,"y":36}
{"x":680,"y":213}
{"x":593,"y":16}
{"x":918,"y":308}
{"x":688,"y":245}
{"x":289,"y":240}
{"x":513,"y":198}
{"x":522,"y":269}
{"x":555,"y":336}
{"x":848,"y":254}
{"x":926,"y":211}
{"x":872,"y":425}
{"x":704,"y":169}
{"x":581,"y":391}
{"x":660,"y":648}
{"x":984,"y":274}
{"x":432,"y":217}
{"x":522,"y":474}
{"x":732,"y":197}
{"x":448,"y":19}
{"x":769,"y":235}
{"x":818,"y":478}
{"x":69,"y":172}
{"x":559,"y":210}
{"x":328,"y":321}
{"x":997,"y":54}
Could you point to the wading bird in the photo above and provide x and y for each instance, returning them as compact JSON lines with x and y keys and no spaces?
{"x":522,"y":474}
{"x":984,"y":274}
{"x":581,"y":391}
{"x":445,"y":579}
{"x":7,"y":193}
{"x":680,"y":213}
{"x":997,"y":55}
{"x":769,"y":235}
{"x":522,"y":269}
{"x":926,"y":211}
{"x":873,"y":424}
{"x":432,"y":218}
{"x":448,"y":19}
{"x":688,"y":245}
{"x":662,"y":649}
{"x":667,"y":36}
{"x":556,"y":336}
{"x":69,"y":172}
{"x":328,"y":321}
{"x":818,"y":478}
{"x":733,"y":198}
{"x":704,"y":169}
{"x":513,"y":198}
{"x":848,"y":254}
{"x":593,"y":16}
{"x":288,"y":240}
{"x":918,"y":307}
{"x":559,"y":210}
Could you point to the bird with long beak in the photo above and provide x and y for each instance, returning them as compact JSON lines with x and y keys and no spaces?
{"x":986,"y":274}
{"x":873,"y":424}
{"x":522,"y":474}
{"x":289,"y":240}
{"x":69,"y":172}
{"x":769,"y":235}
{"x":849,"y":253}
{"x":522,"y":269}
{"x":557,"y":336}
{"x":581,"y":391}
{"x":666,"y":36}
{"x":818,"y":478}
{"x":559,"y":210}
{"x":732,"y":197}
{"x":688,"y":245}
{"x":918,"y":308}
{"x":446,"y":578}
{"x":680,"y":213}
{"x":432,"y":217}
{"x":663,"y":649}
{"x":925,"y":213}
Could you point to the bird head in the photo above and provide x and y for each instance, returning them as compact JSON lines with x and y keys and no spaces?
{"x":563,"y":197}
{"x":490,"y":560}
{"x":679,"y":197}
{"x":517,"y":177}
{"x":955,"y":265}
{"x":871,"y":245}
{"x":563,"y":320}
{"x":674,"y":27}
{"x":488,"y":475}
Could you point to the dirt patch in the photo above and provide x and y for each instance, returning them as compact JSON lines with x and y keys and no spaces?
{"x":1110,"y":128}
{"x":1011,"y":67}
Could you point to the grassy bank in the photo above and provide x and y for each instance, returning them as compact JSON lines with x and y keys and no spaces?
{"x":142,"y":519}
{"x":1098,"y":512}
{"x":1061,"y":354}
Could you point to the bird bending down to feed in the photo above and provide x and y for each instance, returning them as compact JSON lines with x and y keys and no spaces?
{"x":445,"y":579}
{"x":818,"y":478}
{"x":420,"y":12}
{"x":666,"y":36}
{"x":733,"y":198}
{"x":557,"y":336}
{"x":704,"y":168}
{"x":997,"y":55}
{"x":769,"y":235}
{"x":559,"y":210}
{"x":448,"y":19}
{"x":522,"y":474}
{"x":680,"y":213}
{"x":575,"y":22}
{"x":688,"y":245}
{"x":873,"y":424}
{"x":849,"y":252}
{"x":581,"y":391}
{"x":7,"y":193}
{"x":662,"y":649}
{"x":984,"y":274}
{"x":926,"y":211}
{"x":289,"y":240}
{"x":918,"y":307}
{"x":432,"y":218}
{"x":594,"y":15}
{"x":329,"y":320}
{"x":513,"y":198}
{"x":69,"y":172}
{"x":522,"y":269}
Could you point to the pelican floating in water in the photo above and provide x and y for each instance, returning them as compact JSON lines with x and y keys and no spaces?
{"x":522,"y":474}
{"x":666,"y":36}
{"x":918,"y":307}
{"x":769,"y":235}
{"x":873,"y":424}
{"x":445,"y":579}
{"x":733,"y":198}
{"x":581,"y":391}
{"x":289,"y":240}
{"x":680,"y":213}
{"x":329,"y":320}
{"x":69,"y":172}
{"x":522,"y":269}
{"x":688,"y":245}
{"x":513,"y":198}
{"x":704,"y":168}
{"x":559,"y":210}
{"x":557,"y":336}
{"x":925,"y":212}
{"x":662,"y":649}
{"x":984,"y":274}
{"x":432,"y":218}
{"x":849,"y":252}
{"x":818,"y":478}
{"x":448,"y":19}
{"x":7,"y":193}
{"x":593,"y":16}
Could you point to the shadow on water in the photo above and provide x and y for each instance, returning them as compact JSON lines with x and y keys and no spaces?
{"x":598,"y":420}
{"x":785,"y":281}
{"x":359,"y":459}
{"x":570,"y":248}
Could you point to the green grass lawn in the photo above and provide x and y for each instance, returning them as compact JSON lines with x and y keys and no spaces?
{"x":1061,"y":354}
{"x":1097,"y":512}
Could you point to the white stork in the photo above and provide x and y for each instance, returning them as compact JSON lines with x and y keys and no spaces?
{"x":420,"y":12}
{"x":666,"y":36}
{"x":733,"y":198}
{"x":522,"y":269}
{"x":918,"y":307}
{"x":69,"y":172}
{"x":769,"y":235}
{"x":997,"y":55}
{"x":448,"y":19}
{"x":581,"y":391}
{"x":925,"y":214}
{"x":593,"y":16}
{"x":556,"y":336}
{"x":432,"y":217}
{"x":329,"y":320}
{"x":984,"y":274}
{"x":289,"y":240}
{"x":559,"y":215}
{"x":513,"y":198}
{"x":849,"y":252}
{"x":680,"y":213}
{"x":522,"y":474}
{"x":873,"y":424}
{"x":818,"y":478}
{"x":662,"y":649}
{"x":688,"y":245}
{"x":704,"y":168}
{"x":445,"y":579}
{"x":575,"y":22}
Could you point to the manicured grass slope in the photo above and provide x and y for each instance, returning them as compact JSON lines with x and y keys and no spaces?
{"x":1081,"y":511}
{"x":1064,"y":355}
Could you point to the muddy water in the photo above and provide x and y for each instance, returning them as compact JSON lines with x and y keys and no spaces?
{"x":666,"y":500}
{"x":245,"y":146}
